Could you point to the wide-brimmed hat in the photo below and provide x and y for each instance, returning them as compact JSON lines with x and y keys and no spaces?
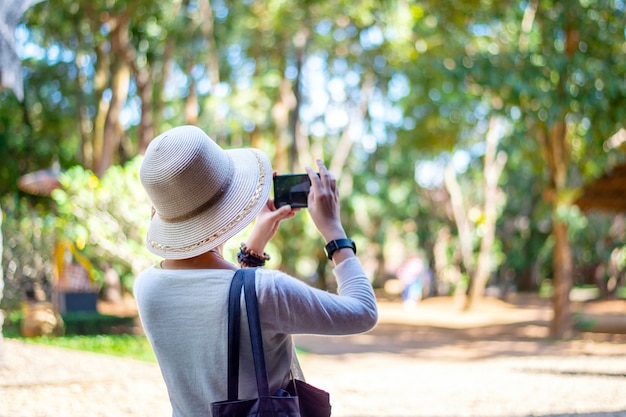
{"x":202,"y":194}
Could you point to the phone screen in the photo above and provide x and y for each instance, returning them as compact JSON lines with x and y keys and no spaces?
{"x":292,"y":190}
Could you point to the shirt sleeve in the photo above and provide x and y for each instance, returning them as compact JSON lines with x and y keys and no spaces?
{"x":290,"y":306}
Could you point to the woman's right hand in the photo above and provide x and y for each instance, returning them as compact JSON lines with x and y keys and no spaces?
{"x":323,"y":203}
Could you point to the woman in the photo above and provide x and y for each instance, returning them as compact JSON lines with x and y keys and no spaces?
{"x":202,"y":196}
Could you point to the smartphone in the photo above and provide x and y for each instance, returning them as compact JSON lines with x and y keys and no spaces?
{"x":292,"y":190}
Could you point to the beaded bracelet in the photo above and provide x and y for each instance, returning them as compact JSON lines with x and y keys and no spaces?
{"x":250,"y":258}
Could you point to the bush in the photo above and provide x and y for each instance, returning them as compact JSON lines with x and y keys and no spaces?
{"x":85,"y":323}
{"x":106,"y":219}
{"x":28,"y":244}
{"x":78,"y":324}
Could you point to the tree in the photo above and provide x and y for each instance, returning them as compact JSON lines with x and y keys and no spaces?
{"x":564,"y":85}
{"x":112,"y":64}
{"x":531,"y":64}
{"x":479,"y":269}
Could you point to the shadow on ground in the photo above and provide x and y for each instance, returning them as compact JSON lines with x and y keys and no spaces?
{"x":591,"y":414}
{"x":439,"y":328}
{"x":602,"y":414}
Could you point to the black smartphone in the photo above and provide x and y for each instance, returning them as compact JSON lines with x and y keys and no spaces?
{"x":292,"y":190}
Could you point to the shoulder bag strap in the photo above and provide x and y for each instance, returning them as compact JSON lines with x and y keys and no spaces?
{"x":254,"y":327}
{"x":245,"y":277}
{"x":234,"y":326}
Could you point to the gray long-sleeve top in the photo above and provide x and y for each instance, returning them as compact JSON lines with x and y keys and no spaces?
{"x":185,"y":314}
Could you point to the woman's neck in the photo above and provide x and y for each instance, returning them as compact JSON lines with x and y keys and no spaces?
{"x":212,"y":259}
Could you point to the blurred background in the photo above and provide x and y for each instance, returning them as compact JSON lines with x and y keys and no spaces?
{"x":479,"y":145}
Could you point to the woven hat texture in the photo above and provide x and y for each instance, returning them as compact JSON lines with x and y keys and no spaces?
{"x":203,"y":195}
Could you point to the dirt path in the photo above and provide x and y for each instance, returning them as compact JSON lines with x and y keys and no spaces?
{"x":432,"y":361}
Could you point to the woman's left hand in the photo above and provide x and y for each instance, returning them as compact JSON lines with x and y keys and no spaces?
{"x":266,"y":225}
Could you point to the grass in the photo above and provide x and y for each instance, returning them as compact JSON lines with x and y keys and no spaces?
{"x":127,"y":346}
{"x":90,"y":332}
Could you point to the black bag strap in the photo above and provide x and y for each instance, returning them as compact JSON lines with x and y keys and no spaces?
{"x":234,"y":324}
{"x":254,"y":327}
{"x":245,"y":277}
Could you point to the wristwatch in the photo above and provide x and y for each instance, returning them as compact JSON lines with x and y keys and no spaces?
{"x":337,"y":244}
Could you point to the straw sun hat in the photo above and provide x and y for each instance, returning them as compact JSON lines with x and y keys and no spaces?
{"x":203,"y":195}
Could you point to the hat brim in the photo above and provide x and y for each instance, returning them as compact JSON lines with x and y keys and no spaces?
{"x":237,"y":208}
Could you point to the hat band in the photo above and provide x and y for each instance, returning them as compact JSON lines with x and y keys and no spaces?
{"x":246,"y":210}
{"x":214,"y":199}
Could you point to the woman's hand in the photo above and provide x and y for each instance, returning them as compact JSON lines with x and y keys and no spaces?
{"x":324,"y":203}
{"x":266,"y":225}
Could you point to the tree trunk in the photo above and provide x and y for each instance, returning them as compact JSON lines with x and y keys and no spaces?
{"x":123,"y":48}
{"x":557,"y":154}
{"x":562,"y":322}
{"x":146,"y":124}
{"x":342,"y":151}
{"x":112,"y":131}
{"x":120,"y":81}
{"x":285,"y":145}
{"x":494,"y":163}
{"x":157,"y":89}
{"x":85,"y":153}
{"x":93,"y":151}
{"x":191,"y":101}
{"x":208,"y":31}
{"x":462,"y":224}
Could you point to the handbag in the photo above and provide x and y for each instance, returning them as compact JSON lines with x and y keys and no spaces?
{"x":313,"y":401}
{"x":297,"y":399}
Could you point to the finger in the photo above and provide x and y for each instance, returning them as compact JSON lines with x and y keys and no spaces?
{"x":322,"y":169}
{"x":315,"y":179}
{"x":285,"y":212}
{"x":325,"y":175}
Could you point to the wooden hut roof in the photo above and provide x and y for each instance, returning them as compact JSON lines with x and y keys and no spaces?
{"x":606,"y":193}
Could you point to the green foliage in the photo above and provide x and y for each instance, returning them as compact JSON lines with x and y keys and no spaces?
{"x":106,"y":218}
{"x":88,"y":323}
{"x":21,"y":149}
{"x":530,"y":72}
{"x":81,"y":323}
{"x":28,"y":234}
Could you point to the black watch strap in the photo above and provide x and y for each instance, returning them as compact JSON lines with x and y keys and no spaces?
{"x":337,"y":244}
